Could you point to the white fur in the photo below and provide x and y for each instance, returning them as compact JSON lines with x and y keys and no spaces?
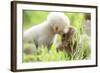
{"x":58,"y":18}
{"x":43,"y":33}
{"x":57,"y":42}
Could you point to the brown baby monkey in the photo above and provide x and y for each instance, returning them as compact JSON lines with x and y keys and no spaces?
{"x":68,"y":43}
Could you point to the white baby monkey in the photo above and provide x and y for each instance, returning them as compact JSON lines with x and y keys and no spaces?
{"x":43,"y":34}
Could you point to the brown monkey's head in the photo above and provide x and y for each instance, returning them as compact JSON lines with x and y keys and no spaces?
{"x":67,"y":43}
{"x":67,"y":38}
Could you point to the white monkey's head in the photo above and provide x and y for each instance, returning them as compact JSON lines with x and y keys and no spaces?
{"x":58,"y":21}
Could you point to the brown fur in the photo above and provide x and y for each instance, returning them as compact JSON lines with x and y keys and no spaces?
{"x":67,"y":38}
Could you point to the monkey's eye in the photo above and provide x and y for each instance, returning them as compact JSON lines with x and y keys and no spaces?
{"x":53,"y":24}
{"x":63,"y":35}
{"x":56,"y":28}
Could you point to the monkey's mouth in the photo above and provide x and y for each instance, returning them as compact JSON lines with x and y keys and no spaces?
{"x":56,"y":30}
{"x":65,"y":44}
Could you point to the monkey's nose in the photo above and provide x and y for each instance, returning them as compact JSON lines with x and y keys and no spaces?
{"x":56,"y":28}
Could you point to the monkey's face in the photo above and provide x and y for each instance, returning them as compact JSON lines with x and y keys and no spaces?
{"x":57,"y":28}
{"x":65,"y":40}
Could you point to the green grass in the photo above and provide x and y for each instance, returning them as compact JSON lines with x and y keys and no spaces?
{"x":51,"y":54}
{"x":83,"y":50}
